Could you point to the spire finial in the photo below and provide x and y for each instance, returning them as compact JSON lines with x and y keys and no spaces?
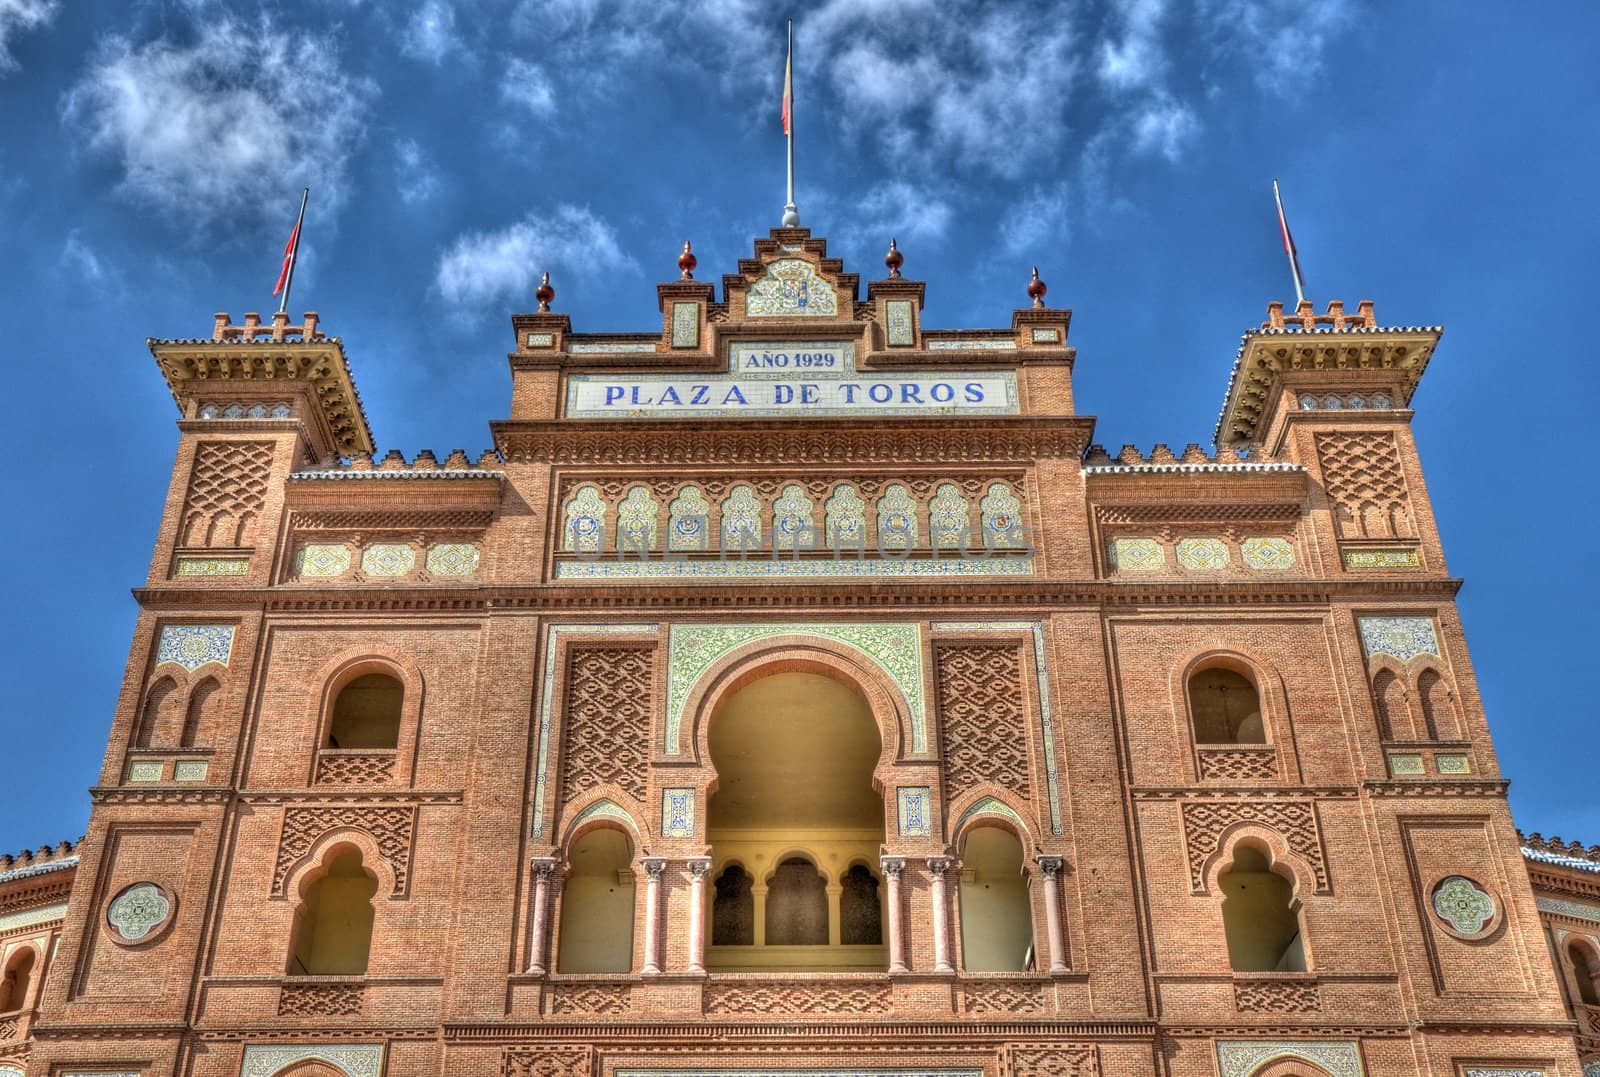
{"x":894,"y":259}
{"x":687,"y":261}
{"x":544,"y":294}
{"x":1037,"y":288}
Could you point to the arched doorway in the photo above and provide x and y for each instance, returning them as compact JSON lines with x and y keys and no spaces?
{"x":795,"y":810}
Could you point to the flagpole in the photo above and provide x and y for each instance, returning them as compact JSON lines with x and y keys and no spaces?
{"x":294,"y":254}
{"x":791,"y":212}
{"x":1288,"y":246}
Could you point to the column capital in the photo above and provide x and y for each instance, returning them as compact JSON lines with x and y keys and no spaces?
{"x":654,"y":866}
{"x":938,"y":865}
{"x":1049,"y":865}
{"x":699,"y":866}
{"x":544,"y":866}
{"x":892,"y":866}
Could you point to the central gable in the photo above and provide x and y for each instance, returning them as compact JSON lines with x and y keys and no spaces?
{"x":791,"y":276}
{"x":792,"y":288}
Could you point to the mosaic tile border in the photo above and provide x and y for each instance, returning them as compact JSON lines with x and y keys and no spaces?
{"x":895,"y":646}
{"x":824,"y":1071}
{"x":988,"y":806}
{"x":1576,"y":910}
{"x":32,"y":917}
{"x":1240,"y":1058}
{"x":787,"y":568}
{"x":1047,"y":720}
{"x":192,"y":646}
{"x":351,"y":1059}
{"x":553,"y":635}
{"x":677,"y":813}
{"x":1404,"y":638}
{"x":1382,"y":559}
{"x":600,"y":809}
{"x":914,"y":809}
{"x":211,"y":566}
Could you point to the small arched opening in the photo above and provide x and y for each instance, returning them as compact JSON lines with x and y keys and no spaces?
{"x":733,"y":909}
{"x":996,"y":913}
{"x":1226,"y":707}
{"x":597,"y":904}
{"x":1584,"y":972}
{"x":860,"y":907}
{"x":797,"y":904}
{"x":157,"y":718}
{"x":333,"y":925}
{"x":199,"y":725}
{"x":1389,"y":697}
{"x":366,"y":713}
{"x":1438,"y":706}
{"x":1259,"y":916}
{"x":18,"y":979}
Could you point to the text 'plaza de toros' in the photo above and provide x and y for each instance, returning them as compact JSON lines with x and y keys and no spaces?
{"x":795,"y":690}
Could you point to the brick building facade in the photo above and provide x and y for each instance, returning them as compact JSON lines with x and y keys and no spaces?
{"x":798,"y":689}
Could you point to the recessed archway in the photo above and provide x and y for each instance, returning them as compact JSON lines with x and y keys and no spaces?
{"x":795,"y":805}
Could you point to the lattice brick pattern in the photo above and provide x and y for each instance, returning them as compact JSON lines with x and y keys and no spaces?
{"x":390,"y":827}
{"x":9,"y":1027}
{"x":1050,"y":1060}
{"x":607,"y":718}
{"x":320,"y":1000}
{"x":1361,"y":472}
{"x":227,"y":489}
{"x":355,"y":768}
{"x":981,"y":711}
{"x":1239,"y":764}
{"x":1002,"y":997}
{"x":1276,"y":998}
{"x":590,"y":998}
{"x":789,"y":998}
{"x":1295,"y":820}
{"x":560,"y":1061}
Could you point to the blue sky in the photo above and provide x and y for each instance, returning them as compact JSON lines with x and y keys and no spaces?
{"x":1436,"y":158}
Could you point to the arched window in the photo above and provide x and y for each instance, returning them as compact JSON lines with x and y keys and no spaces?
{"x":198,"y":723}
{"x":597,"y":904}
{"x":860,"y":911}
{"x":797,"y":905}
{"x":1258,"y":916}
{"x":1226,"y":708}
{"x":366,"y":713}
{"x":333,"y":926}
{"x":1389,"y":697}
{"x":1438,"y":709}
{"x":155,"y":717}
{"x":19,"y":975}
{"x":996,"y":915}
{"x":733,"y":910}
{"x":1583,"y":973}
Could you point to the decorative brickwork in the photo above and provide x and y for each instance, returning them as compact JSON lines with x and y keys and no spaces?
{"x":320,"y":1000}
{"x":548,"y":1062}
{"x":589,"y":999}
{"x":1050,"y":1060}
{"x":980,"y":706}
{"x":1290,"y":998}
{"x":797,"y":998}
{"x":607,"y":719}
{"x":1238,"y":764}
{"x":1295,"y":820}
{"x":1002,"y":997}
{"x":354,"y":767}
{"x":1362,"y":474}
{"x":227,"y":490}
{"x":391,"y":828}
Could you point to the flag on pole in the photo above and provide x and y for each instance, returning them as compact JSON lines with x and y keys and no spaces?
{"x":291,"y":251}
{"x":788,"y":87}
{"x":1288,"y":246}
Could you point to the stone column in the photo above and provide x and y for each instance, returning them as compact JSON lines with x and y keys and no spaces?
{"x":758,"y":896}
{"x":937,"y":866}
{"x":835,"y":928}
{"x":1049,"y":868}
{"x":699,"y":868}
{"x":653,"y":867}
{"x":543,"y":868}
{"x":893,"y":867}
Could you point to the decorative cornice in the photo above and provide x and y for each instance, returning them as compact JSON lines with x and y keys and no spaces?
{"x":699,"y":1031}
{"x":160,"y":794}
{"x":349,"y":795}
{"x":991,"y":440}
{"x":1475,"y":787}
{"x":412,"y":518}
{"x":1171,"y":469}
{"x":458,"y":474}
{"x":1276,"y":792}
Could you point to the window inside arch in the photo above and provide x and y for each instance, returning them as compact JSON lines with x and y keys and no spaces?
{"x":1438,"y":711}
{"x":797,"y":905}
{"x":333,"y":926}
{"x":1258,"y":916}
{"x":597,"y":901}
{"x":199,"y":722}
{"x":366,"y":713}
{"x":1226,"y":708}
{"x":996,"y":914}
{"x":157,"y":718}
{"x":18,"y":977}
{"x":733,"y":910}
{"x":1389,"y":696}
{"x":860,"y":911}
{"x":1583,"y":975}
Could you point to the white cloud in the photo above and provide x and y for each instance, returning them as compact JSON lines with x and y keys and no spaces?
{"x":1136,"y":59}
{"x":430,"y":34}
{"x":415,"y":177}
{"x":571,"y":243}
{"x":17,"y":16}
{"x":1036,"y":222}
{"x":1285,"y":39}
{"x":209,"y":129}
{"x":81,"y":259}
{"x":1164,"y":126}
{"x":526,"y":85}
{"x":900,"y":209}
